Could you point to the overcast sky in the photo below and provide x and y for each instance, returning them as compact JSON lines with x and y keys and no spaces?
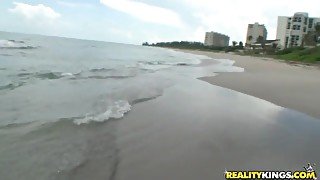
{"x":136,"y":21}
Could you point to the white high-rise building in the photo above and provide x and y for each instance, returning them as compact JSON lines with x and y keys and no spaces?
{"x":256,"y":32}
{"x":216,"y":39}
{"x":291,"y":30}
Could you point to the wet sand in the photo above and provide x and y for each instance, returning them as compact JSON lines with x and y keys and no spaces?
{"x":199,"y":131}
{"x":292,"y":86}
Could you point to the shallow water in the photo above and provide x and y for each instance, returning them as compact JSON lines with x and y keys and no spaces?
{"x":73,"y":109}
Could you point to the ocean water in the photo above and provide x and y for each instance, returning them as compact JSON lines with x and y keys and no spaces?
{"x":76,"y":109}
{"x":84,"y":80}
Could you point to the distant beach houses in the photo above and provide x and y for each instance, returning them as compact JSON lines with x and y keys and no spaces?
{"x":257,"y":37}
{"x":216,"y":39}
{"x":256,"y":33}
{"x":297,"y":30}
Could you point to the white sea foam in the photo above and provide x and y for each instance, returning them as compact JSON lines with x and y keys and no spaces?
{"x":6,"y":44}
{"x":116,"y":111}
{"x":226,"y":65}
{"x":12,"y":44}
{"x":66,"y":74}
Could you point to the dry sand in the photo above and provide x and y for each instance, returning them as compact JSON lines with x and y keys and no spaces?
{"x":292,"y":86}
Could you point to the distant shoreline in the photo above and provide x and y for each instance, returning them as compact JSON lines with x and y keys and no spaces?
{"x":261,"y":56}
{"x":294,"y":87}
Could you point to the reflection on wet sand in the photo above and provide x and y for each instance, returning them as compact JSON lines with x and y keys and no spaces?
{"x":206,"y":129}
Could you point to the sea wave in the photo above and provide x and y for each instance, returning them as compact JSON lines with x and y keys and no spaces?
{"x":101,"y":69}
{"x":103,"y":73}
{"x":113,"y":73}
{"x":158,"y":65}
{"x":7,"y":55}
{"x":13,"y":44}
{"x":166,"y":63}
{"x":115,"y":111}
{"x":109,"y":77}
{"x":49,"y":75}
{"x":121,"y":72}
{"x":12,"y":86}
{"x":136,"y":101}
{"x":66,"y":74}
{"x":44,"y":75}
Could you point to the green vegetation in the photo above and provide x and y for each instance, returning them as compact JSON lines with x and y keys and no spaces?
{"x":194,"y":46}
{"x":317,"y":27}
{"x":241,"y":44}
{"x":312,"y":38}
{"x":306,"y":55}
{"x":185,"y":45}
{"x":298,"y":54}
{"x":234,"y":43}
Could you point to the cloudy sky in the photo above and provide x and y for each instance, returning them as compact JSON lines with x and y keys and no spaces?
{"x":136,"y":21}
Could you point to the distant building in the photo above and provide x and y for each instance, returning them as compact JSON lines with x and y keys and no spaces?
{"x":256,"y":33}
{"x":266,"y":44}
{"x":291,"y":30}
{"x":216,"y":39}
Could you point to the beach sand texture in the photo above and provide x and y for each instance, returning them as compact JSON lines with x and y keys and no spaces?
{"x":177,"y":143}
{"x":292,"y":86}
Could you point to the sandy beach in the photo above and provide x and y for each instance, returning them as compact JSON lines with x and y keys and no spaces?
{"x":225,"y":127}
{"x":199,"y":131}
{"x":292,"y":86}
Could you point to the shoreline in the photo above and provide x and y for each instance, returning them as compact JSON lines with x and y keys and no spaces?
{"x":263,"y":57}
{"x":291,"y":86}
{"x":196,"y":130}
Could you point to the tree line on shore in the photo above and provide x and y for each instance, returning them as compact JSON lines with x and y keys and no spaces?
{"x":300,"y":54}
{"x":196,"y":45}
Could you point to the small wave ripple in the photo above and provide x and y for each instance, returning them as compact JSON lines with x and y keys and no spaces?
{"x":114,"y":111}
{"x":13,"y":44}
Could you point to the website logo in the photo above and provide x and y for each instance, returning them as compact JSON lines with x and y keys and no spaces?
{"x":308,"y":174}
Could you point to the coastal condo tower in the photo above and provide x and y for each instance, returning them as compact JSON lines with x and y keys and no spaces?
{"x":256,"y":33}
{"x":291,"y":30}
{"x":216,"y":39}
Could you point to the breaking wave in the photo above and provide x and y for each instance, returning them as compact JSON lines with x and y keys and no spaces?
{"x":101,"y":69}
{"x":13,"y":44}
{"x":109,"y":77}
{"x":12,"y":86}
{"x":44,"y":75}
{"x":112,"y":73}
{"x":102,"y":73}
{"x":166,"y":63}
{"x":50,"y":75}
{"x":114,"y":111}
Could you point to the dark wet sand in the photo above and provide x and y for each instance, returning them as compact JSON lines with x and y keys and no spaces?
{"x":197,"y":131}
{"x":294,"y":87}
